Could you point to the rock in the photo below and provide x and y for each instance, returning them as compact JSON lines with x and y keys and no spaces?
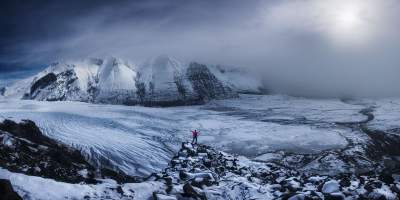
{"x":183,"y":175}
{"x":163,"y":197}
{"x":189,"y":191}
{"x":370,"y":186}
{"x":43,"y":82}
{"x":39,"y":155}
{"x":386,"y":178}
{"x":297,"y":197}
{"x":206,"y":84}
{"x":345,"y":182}
{"x":292,"y":185}
{"x":7,"y":192}
{"x":200,"y":182}
{"x":2,"y":91}
{"x":396,"y":189}
{"x":335,"y":196}
{"x":330,"y":187}
{"x":168,"y":180}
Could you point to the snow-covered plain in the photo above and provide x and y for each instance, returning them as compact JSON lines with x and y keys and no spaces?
{"x":386,"y":114}
{"x":141,"y":140}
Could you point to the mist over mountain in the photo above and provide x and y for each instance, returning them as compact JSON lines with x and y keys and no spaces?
{"x":331,"y":48}
{"x":200,"y":99}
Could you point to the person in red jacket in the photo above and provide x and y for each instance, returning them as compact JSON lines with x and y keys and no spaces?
{"x":195,"y":134}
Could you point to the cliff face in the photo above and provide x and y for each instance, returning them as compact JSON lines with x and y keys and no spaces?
{"x":206,"y":84}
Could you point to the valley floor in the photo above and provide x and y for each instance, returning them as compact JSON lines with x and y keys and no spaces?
{"x":324,"y":137}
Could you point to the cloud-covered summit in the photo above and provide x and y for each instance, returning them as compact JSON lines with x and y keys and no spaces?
{"x":334,"y":46}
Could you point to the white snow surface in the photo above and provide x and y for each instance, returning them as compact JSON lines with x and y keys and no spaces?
{"x":160,"y":75}
{"x":37,"y":188}
{"x":386,"y":114}
{"x":116,"y":81}
{"x":114,"y":74}
{"x":141,"y":140}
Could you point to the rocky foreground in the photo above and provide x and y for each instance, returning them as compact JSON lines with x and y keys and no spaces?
{"x":196,"y":172}
{"x":24,"y":149}
{"x":204,"y":173}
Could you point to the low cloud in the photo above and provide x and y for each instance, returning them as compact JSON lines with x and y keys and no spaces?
{"x":332,"y":47}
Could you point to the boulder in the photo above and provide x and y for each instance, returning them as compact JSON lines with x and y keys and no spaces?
{"x":7,"y":192}
{"x":330,"y":187}
{"x":163,"y":197}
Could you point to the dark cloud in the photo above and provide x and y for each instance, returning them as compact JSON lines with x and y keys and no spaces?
{"x":40,"y":31}
{"x":332,"y":46}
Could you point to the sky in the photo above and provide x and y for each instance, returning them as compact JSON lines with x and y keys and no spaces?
{"x":307,"y":46}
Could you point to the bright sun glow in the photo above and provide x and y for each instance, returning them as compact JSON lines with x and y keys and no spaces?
{"x":348,"y":19}
{"x":342,"y":22}
{"x":348,"y":26}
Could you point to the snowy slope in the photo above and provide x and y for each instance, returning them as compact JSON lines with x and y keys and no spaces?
{"x":114,"y":74}
{"x":37,"y":188}
{"x":159,"y":81}
{"x":116,"y":82}
{"x":241,"y":79}
{"x":140,"y":140}
{"x":20,"y":88}
{"x":163,"y":79}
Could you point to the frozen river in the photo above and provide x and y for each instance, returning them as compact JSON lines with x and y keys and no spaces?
{"x":140,"y":140}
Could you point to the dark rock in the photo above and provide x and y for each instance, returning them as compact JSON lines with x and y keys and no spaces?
{"x":2,"y":91}
{"x":370,"y":186}
{"x":189,"y":191}
{"x":168,"y":180}
{"x":386,"y":178}
{"x":345,"y":182}
{"x":119,"y":190}
{"x":43,"y":82}
{"x":120,"y":177}
{"x":39,"y":155}
{"x":205,"y":84}
{"x":183,"y":175}
{"x":7,"y":192}
{"x":395,"y":189}
{"x":335,"y":196}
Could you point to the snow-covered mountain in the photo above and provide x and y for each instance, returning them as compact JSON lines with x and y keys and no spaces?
{"x":161,"y":81}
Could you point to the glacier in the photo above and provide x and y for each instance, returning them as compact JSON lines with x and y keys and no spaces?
{"x":140,"y":140}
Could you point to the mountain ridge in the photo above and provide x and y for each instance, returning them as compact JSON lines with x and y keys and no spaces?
{"x":160,"y":81}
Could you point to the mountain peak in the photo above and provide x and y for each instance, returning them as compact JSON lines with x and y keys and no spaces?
{"x":161,"y":80}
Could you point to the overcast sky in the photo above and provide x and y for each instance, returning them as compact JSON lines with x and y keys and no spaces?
{"x":329,"y":45}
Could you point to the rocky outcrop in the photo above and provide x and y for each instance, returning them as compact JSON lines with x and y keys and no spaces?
{"x":206,"y":84}
{"x":42,"y":83}
{"x":7,"y":192}
{"x":24,"y":149}
{"x":59,"y":87}
{"x":200,"y":172}
{"x":2,"y":91}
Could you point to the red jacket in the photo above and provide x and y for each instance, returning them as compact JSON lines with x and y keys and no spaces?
{"x":195,"y":133}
